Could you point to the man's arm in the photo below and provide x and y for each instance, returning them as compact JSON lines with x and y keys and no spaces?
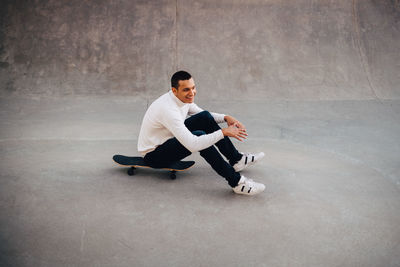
{"x":235,"y":128}
{"x":193,"y":143}
{"x":194,"y":109}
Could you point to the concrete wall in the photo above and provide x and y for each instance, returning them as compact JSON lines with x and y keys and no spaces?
{"x":236,"y":49}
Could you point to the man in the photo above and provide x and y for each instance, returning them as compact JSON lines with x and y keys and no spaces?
{"x":167,"y":135}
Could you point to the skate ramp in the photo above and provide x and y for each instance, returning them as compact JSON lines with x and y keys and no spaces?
{"x":252,"y":50}
{"x":320,"y":50}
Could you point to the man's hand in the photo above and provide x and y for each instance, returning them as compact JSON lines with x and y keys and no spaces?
{"x":232,"y":121}
{"x":235,"y":132}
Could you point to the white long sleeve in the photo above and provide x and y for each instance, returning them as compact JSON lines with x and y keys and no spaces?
{"x":194,"y":109}
{"x":165,"y":118}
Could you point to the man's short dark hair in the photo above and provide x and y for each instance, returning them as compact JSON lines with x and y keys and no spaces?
{"x":179,"y":76}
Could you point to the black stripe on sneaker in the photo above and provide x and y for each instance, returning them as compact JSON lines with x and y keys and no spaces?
{"x":252,"y":160}
{"x":243,"y":188}
{"x":249,"y":190}
{"x":245,"y":162}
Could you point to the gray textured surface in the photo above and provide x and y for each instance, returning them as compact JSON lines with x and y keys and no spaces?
{"x":332,"y":173}
{"x":256,"y":49}
{"x":315,"y":82}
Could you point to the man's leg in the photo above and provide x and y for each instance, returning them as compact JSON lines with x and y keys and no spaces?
{"x":223,"y":168}
{"x":167,"y":153}
{"x":172,"y":151}
{"x":204,"y":121}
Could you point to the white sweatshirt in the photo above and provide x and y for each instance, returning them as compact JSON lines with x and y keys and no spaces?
{"x":165,"y":118}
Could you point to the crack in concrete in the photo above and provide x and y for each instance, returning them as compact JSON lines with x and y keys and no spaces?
{"x":361,"y":53}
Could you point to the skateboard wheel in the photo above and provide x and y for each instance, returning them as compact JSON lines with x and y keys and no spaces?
{"x":172,"y":175}
{"x":131,"y":171}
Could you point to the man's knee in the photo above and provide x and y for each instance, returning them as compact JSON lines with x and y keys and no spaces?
{"x":199,"y":132}
{"x":206,"y":115}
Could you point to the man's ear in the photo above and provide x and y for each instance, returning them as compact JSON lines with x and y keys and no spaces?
{"x":174,"y":90}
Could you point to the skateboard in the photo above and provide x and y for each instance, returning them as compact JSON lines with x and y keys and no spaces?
{"x":135,"y":162}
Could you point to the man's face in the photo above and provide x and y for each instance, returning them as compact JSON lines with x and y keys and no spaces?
{"x":186,"y":91}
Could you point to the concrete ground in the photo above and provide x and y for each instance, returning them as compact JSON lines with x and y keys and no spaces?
{"x":332,"y":176}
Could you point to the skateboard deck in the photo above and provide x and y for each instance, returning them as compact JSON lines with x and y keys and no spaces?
{"x":135,"y":162}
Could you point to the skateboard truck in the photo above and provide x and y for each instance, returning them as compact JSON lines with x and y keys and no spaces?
{"x":172,"y":174}
{"x":131,"y":171}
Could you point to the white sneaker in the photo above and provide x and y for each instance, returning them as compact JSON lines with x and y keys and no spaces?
{"x":247,"y":186}
{"x":247,"y":159}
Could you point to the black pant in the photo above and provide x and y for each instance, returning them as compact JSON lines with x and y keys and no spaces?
{"x":199,"y":124}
